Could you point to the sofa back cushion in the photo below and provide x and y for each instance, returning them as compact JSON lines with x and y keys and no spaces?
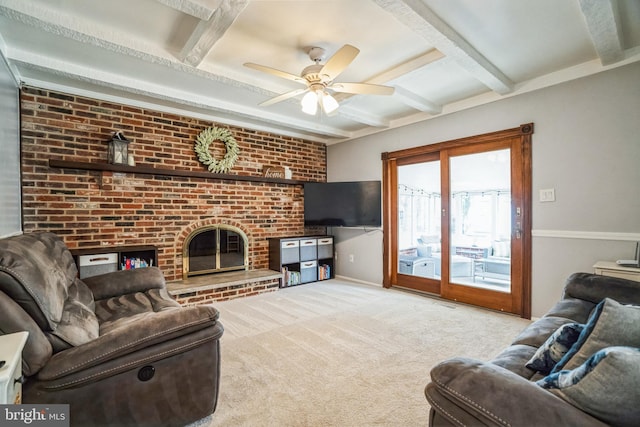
{"x":79,"y":323}
{"x":594,"y":288}
{"x":37,"y":271}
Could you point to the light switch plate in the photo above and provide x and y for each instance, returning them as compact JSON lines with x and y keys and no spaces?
{"x":548,"y":195}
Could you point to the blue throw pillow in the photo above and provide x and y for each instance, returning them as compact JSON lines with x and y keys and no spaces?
{"x":610,"y":324}
{"x":554,"y":348}
{"x":605,"y":385}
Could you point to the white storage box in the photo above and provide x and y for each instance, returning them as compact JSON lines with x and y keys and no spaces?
{"x":93,"y":265}
{"x":325,"y":247}
{"x":308,"y":249}
{"x":290,"y":252}
{"x":308,"y":271}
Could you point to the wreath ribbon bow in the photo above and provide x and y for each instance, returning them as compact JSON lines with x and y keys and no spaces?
{"x":206,"y":138}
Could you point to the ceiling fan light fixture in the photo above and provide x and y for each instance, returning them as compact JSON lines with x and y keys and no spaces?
{"x":329,"y":103}
{"x":319,"y":77}
{"x":310,"y":103}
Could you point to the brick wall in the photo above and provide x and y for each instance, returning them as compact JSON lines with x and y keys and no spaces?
{"x":101,"y":208}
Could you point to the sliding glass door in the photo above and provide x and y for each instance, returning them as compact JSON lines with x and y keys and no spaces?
{"x":458,"y":221}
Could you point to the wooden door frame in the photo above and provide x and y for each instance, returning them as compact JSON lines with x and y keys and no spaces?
{"x":390,"y":205}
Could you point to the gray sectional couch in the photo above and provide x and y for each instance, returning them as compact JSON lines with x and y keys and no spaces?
{"x":587,"y":379}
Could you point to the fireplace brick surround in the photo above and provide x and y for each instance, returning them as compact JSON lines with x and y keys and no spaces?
{"x":105,"y":208}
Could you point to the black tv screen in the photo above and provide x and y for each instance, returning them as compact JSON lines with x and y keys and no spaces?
{"x":344,"y":204}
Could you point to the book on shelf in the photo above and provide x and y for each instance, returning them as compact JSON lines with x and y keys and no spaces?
{"x":290,"y":277}
{"x":133,"y":263}
{"x":324,"y":272}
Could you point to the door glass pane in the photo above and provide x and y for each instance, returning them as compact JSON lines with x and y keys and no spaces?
{"x":419,"y":225}
{"x":480,"y":227}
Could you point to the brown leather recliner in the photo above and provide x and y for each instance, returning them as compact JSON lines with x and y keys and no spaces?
{"x":116,"y":347}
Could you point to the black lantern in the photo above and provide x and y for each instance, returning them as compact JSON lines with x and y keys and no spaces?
{"x":118,"y":150}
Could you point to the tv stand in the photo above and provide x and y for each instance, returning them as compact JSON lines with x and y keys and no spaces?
{"x":302,"y":259}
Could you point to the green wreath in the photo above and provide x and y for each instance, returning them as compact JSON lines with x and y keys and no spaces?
{"x":204,"y":140}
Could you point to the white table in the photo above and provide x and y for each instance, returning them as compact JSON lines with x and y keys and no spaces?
{"x":610,"y":268}
{"x":11,"y":346}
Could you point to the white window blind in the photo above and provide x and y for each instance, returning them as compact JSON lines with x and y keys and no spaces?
{"x":10,"y":207}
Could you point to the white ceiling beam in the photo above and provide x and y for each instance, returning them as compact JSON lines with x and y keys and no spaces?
{"x":347,"y":112}
{"x":423,"y":21}
{"x":207,"y":33}
{"x":407,"y":67}
{"x":603,"y":22}
{"x":419,"y":103}
{"x":201,"y":9}
{"x":403,"y":95}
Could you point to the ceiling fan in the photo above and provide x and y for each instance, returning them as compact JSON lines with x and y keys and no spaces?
{"x":320,"y":81}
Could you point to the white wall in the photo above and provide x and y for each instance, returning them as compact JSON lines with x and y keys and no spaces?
{"x":10,"y":213}
{"x":586,"y":146}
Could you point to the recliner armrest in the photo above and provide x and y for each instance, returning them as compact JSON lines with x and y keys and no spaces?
{"x":467,"y":391}
{"x":144,"y":336}
{"x":124,"y":282}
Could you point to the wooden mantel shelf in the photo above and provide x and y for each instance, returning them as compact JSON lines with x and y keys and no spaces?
{"x":150,"y":170}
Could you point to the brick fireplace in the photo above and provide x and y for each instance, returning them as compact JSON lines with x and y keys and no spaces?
{"x":90,"y":208}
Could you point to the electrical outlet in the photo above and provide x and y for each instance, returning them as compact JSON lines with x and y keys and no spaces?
{"x":350,"y":257}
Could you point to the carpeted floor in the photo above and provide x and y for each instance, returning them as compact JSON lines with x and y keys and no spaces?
{"x":337,"y":353}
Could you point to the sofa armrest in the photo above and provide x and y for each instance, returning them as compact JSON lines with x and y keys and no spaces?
{"x":467,"y":391}
{"x":595,"y":288}
{"x":124,"y":347}
{"x":124,"y":282}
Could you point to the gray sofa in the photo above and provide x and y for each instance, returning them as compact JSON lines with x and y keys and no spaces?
{"x":115,"y":347}
{"x":541,"y":380}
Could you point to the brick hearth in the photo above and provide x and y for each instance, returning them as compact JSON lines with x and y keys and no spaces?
{"x":102,"y":208}
{"x":224,"y":286}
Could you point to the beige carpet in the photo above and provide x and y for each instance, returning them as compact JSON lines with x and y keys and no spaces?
{"x":337,"y":353}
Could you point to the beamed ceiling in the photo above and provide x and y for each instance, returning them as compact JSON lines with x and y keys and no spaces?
{"x":187,"y":56}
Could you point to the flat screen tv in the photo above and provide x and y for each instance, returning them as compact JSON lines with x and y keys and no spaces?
{"x":343,"y":204}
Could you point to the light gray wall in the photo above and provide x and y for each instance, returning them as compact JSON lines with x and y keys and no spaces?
{"x":10,"y":216}
{"x":586,"y":146}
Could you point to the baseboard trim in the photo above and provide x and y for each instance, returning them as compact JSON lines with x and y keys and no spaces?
{"x":588,"y":235}
{"x":364,"y":282}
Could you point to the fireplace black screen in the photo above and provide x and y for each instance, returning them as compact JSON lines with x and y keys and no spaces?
{"x":213,"y":250}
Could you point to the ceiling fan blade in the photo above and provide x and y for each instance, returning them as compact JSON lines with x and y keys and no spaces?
{"x":282,"y":97}
{"x":362,"y":88}
{"x":339,"y":61}
{"x":275,"y":72}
